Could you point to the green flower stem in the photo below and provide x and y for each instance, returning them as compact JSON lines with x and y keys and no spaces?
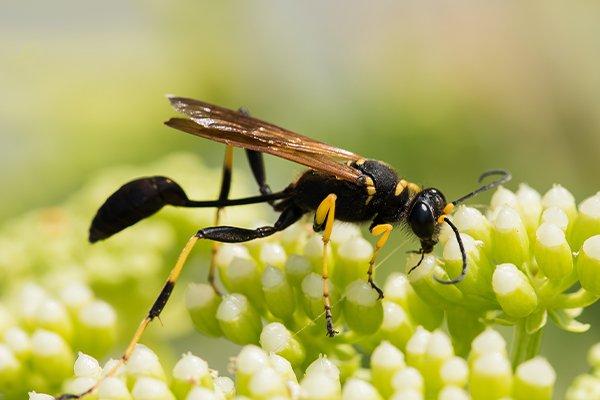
{"x":578,"y":299}
{"x":525,"y":345}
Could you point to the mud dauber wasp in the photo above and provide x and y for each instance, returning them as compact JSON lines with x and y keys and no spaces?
{"x":338,"y":185}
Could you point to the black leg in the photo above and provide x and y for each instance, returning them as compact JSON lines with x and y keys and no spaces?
{"x":257,"y":164}
{"x":223,"y":195}
{"x":232,"y":234}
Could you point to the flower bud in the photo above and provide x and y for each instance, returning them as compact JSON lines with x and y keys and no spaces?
{"x":96,"y":328}
{"x":18,"y":341}
{"x":513,"y":291}
{"x":470,"y":221}
{"x":224,"y":387}
{"x":51,"y":356}
{"x":503,"y":197}
{"x":243,"y":275}
{"x":294,"y":238}
{"x":398,"y":289}
{"x":476,"y":284}
{"x":40,"y":396}
{"x":266,"y":384}
{"x":144,"y":363}
{"x":201,"y":393}
{"x":552,"y":252}
{"x":272,"y":253}
{"x":417,"y":347}
{"x":190,"y":371}
{"x":588,"y":265}
{"x":86,"y":366}
{"x":453,"y":393}
{"x":10,"y":369}
{"x":319,"y":387}
{"x":113,"y":388}
{"x":225,"y":255}
{"x":511,"y":243}
{"x":238,"y":320}
{"x":146,"y":388}
{"x":455,"y":372}
{"x":439,"y":350}
{"x":313,"y":250}
{"x":202,"y":303}
{"x":362,"y":309}
{"x":278,"y":294}
{"x":426,"y":287}
{"x":283,"y":367}
{"x":407,"y":394}
{"x":488,"y":341}
{"x":74,"y":295}
{"x":80,"y":385}
{"x":408,"y":378}
{"x":275,"y":338}
{"x":357,"y":389}
{"x":534,"y":380}
{"x":312,"y":297}
{"x":386,"y":360}
{"x":353,"y":260}
{"x":593,"y":356}
{"x":249,"y":361}
{"x":560,"y":197}
{"x":296,"y":269}
{"x":343,"y":232}
{"x":53,"y":316}
{"x":587,"y":223}
{"x":530,"y":208}
{"x":396,"y":326}
{"x":557,"y":217}
{"x":491,"y":377}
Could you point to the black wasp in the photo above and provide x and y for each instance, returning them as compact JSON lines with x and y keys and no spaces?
{"x":338,"y":185}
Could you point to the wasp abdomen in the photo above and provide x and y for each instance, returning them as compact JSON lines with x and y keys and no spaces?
{"x":133,"y":202}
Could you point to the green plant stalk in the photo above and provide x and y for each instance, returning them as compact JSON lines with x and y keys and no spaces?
{"x":525,"y":345}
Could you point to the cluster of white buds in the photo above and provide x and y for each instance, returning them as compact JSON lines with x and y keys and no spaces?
{"x":143,"y":378}
{"x":39,"y":334}
{"x":587,"y":386}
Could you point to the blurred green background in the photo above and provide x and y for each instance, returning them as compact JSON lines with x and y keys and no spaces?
{"x":440,"y":91}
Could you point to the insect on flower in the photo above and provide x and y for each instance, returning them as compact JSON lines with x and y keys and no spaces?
{"x":338,"y":185}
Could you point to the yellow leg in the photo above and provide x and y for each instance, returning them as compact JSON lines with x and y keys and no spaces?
{"x":383,"y":231}
{"x":154,"y":312}
{"x":325,"y":215}
{"x":225,"y":184}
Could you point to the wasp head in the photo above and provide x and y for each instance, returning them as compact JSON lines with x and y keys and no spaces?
{"x":424,"y":217}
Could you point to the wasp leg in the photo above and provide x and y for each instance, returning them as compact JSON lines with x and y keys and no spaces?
{"x":219,"y":233}
{"x":154,"y":312}
{"x":257,"y":164}
{"x":324,"y":217}
{"x":383,"y":231}
{"x":223,"y":195}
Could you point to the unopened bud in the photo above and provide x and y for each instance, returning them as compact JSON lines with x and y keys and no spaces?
{"x":513,"y":291}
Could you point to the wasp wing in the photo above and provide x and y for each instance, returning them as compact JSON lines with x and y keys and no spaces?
{"x":233,"y":138}
{"x":232,"y":127}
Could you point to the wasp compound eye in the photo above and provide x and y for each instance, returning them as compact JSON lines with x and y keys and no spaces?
{"x":422,"y":220}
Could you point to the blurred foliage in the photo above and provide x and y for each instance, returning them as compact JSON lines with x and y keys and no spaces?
{"x":441,"y":91}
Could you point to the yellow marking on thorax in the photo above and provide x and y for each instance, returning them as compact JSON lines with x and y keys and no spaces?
{"x":370,"y":186}
{"x":360,"y":161}
{"x":403,"y":184}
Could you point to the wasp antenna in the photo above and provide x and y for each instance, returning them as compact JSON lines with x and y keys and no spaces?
{"x":463,"y":254}
{"x":505,"y":176}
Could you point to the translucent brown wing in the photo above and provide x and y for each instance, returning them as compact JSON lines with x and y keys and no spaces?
{"x":231,"y":127}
